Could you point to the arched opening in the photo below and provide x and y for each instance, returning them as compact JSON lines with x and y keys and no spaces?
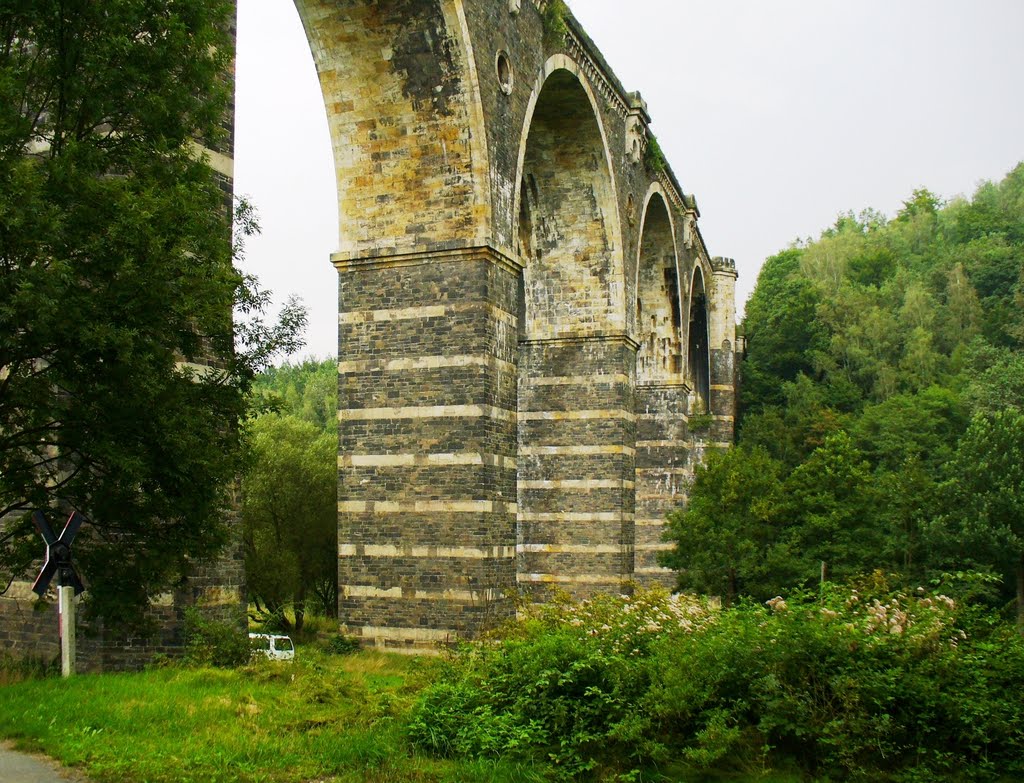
{"x":698,"y":357}
{"x":424,"y":400}
{"x":283,"y":164}
{"x":575,"y":363}
{"x":566,"y":214}
{"x":658,"y":313}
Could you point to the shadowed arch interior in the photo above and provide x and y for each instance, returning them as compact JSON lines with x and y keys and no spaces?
{"x":698,"y":359}
{"x":659,"y":319}
{"x":571,"y":284}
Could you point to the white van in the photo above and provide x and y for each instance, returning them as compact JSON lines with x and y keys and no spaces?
{"x":273,"y":646}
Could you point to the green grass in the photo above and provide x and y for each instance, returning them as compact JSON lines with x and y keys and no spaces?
{"x":321,"y":719}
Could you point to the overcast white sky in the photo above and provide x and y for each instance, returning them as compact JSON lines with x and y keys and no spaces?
{"x":777,"y":115}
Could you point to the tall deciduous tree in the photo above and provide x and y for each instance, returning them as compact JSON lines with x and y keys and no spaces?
{"x":290,"y":515}
{"x":987,"y":495}
{"x":725,"y":535}
{"x":116,"y":284}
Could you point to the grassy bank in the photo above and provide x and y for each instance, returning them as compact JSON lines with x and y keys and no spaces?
{"x":324,"y":718}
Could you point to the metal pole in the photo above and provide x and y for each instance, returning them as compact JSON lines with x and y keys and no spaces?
{"x":66,"y":612}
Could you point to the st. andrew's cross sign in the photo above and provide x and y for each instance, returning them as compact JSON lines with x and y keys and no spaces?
{"x":69,"y":584}
{"x":58,"y":554}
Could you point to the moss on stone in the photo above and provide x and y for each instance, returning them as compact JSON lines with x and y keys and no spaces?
{"x":654,"y":158}
{"x":553,"y":16}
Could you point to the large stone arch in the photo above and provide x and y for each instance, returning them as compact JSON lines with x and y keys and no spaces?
{"x":492,"y":430}
{"x":658,"y":327}
{"x":575,"y":359}
{"x":566,"y":195}
{"x":401,"y":92}
{"x":662,"y":463}
{"x":426,"y":325}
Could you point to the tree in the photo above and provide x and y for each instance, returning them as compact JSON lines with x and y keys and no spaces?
{"x":307,"y":389}
{"x":866,"y":351}
{"x":987,"y":495}
{"x":726,"y":531}
{"x":290,"y":516}
{"x":117,"y":288}
{"x":782,"y":331}
{"x":832,"y":514}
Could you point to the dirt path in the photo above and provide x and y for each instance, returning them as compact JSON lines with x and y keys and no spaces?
{"x":18,"y":767}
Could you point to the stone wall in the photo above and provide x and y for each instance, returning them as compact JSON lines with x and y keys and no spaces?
{"x":29,"y":624}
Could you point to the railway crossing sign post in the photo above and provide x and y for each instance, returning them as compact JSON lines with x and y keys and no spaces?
{"x":69,"y":584}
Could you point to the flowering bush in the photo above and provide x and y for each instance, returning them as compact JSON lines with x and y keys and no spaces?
{"x":624,"y":624}
{"x":852,"y":684}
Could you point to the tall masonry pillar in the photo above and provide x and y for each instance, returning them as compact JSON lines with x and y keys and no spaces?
{"x":427,"y":444}
{"x":722,"y":329}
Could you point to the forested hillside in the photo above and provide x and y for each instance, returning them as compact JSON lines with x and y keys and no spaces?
{"x":882,"y":407}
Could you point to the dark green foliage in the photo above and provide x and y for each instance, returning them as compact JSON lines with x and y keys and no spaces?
{"x":782,"y":333}
{"x":995,"y":380}
{"x":861,"y":688}
{"x":307,"y":389}
{"x":654,"y":158}
{"x":289,"y":516}
{"x":861,"y":684}
{"x":867,"y":352}
{"x":986,"y":498}
{"x":213,"y":643}
{"x":555,"y":688}
{"x":290,"y":508}
{"x":28,"y":668}
{"x":724,"y":535}
{"x":116,"y":267}
{"x":339,"y":644}
{"x":553,"y":18}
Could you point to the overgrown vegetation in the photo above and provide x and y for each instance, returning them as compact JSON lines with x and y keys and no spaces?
{"x":323,"y":717}
{"x":553,"y":19}
{"x":210,"y":642}
{"x":862,"y":683}
{"x":852,"y":684}
{"x":654,"y":158}
{"x":881,"y":423}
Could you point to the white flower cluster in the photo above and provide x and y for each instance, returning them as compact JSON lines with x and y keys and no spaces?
{"x":629,"y":622}
{"x":929,"y":618}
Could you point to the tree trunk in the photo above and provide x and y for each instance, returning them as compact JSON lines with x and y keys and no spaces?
{"x":299,"y":607}
{"x":1020,"y":594}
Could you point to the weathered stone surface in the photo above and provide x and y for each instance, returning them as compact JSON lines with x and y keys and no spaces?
{"x":528,"y":318}
{"x":535,"y":347}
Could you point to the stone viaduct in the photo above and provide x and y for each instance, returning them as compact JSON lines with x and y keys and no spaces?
{"x":529,"y":319}
{"x":535,"y":346}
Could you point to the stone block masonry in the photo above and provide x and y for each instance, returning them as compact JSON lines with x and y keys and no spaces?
{"x":427,"y":459}
{"x":528,"y":322}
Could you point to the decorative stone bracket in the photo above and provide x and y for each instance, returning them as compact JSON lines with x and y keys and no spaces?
{"x":637,"y":122}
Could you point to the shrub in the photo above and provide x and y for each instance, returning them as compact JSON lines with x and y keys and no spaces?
{"x":847,"y":685}
{"x":342,"y":645}
{"x":850,"y":687}
{"x":556,"y":687}
{"x":213,"y":643}
{"x":33,"y":667}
